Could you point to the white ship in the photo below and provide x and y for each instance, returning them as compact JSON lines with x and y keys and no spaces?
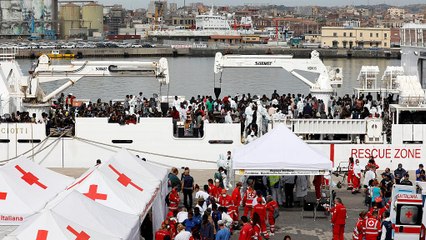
{"x":153,"y":138}
{"x":206,"y":26}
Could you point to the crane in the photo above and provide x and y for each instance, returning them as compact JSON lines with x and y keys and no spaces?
{"x":321,"y":87}
{"x":25,"y":92}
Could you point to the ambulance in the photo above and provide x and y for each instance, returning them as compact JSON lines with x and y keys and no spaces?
{"x":407,"y":213}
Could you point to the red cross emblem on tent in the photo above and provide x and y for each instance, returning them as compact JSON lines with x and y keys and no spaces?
{"x":93,"y":193}
{"x":42,"y":235}
{"x":124,"y":179}
{"x":409,"y":214}
{"x":30,"y":178}
{"x":3,"y":195}
{"x":79,"y":235}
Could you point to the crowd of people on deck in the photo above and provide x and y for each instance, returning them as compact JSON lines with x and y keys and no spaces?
{"x":253,"y":112}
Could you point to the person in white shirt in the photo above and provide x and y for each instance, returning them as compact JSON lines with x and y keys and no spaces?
{"x":357,"y":177}
{"x":228,"y":118}
{"x":182,"y":234}
{"x":176,"y":102}
{"x":369,"y":175}
{"x":182,"y":215}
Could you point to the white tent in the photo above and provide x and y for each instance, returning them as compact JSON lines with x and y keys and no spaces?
{"x":25,"y":188}
{"x":115,"y":185}
{"x":160,"y":173}
{"x":279,"y":152}
{"x":74,"y":216}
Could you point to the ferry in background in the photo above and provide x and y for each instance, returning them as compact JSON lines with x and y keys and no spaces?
{"x":210,"y":28}
{"x":390,"y":140}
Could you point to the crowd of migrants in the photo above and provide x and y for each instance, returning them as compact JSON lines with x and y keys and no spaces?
{"x":250,"y":209}
{"x":253,"y":112}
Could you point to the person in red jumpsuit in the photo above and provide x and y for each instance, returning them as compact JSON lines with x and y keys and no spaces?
{"x":174,"y":200}
{"x":236,"y":202}
{"x":358,"y":229}
{"x":225,"y":200}
{"x":248,"y":198}
{"x":318,"y":179}
{"x":256,"y":227}
{"x":218,"y":190}
{"x":350,"y":173}
{"x":372,"y":227}
{"x":338,"y":219}
{"x":246,"y":232}
{"x":260,"y":209}
{"x":212,"y":187}
{"x":162,"y":233}
{"x":271,"y":205}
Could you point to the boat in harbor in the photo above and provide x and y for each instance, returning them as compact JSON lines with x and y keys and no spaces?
{"x":56,"y":54}
{"x":390,"y":140}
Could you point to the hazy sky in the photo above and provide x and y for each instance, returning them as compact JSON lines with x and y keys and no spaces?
{"x":132,"y":4}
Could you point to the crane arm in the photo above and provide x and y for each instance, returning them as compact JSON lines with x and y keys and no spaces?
{"x":46,"y":72}
{"x":286,"y":62}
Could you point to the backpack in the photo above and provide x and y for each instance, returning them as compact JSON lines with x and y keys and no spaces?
{"x":276,"y":213}
{"x":167,"y":200}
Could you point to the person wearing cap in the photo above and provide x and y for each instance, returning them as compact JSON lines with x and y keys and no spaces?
{"x":218,"y":190}
{"x":224,"y":199}
{"x":223,"y":233}
{"x":260,"y":209}
{"x":271,"y":208}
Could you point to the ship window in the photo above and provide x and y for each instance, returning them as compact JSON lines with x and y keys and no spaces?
{"x":221,"y":141}
{"x":4,"y":140}
{"x":122,"y":141}
{"x":29,"y":140}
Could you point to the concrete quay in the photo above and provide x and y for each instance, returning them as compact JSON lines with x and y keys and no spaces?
{"x":210,"y":52}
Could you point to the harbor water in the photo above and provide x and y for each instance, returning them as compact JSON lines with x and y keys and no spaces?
{"x":192,"y":76}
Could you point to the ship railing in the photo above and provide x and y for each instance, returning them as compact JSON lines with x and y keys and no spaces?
{"x":329,"y":126}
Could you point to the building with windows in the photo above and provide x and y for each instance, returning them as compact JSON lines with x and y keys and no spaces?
{"x":342,"y":37}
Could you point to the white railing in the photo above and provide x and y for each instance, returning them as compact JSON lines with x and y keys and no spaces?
{"x":329,"y":126}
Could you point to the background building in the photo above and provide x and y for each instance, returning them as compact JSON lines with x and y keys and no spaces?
{"x":27,"y":17}
{"x":341,"y":37}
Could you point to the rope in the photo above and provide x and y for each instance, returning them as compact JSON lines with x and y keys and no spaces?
{"x":145,"y":152}
{"x":32,"y":149}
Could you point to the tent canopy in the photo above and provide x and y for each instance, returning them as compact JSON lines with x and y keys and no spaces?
{"x":115,"y":185}
{"x":25,"y":188}
{"x":71,"y":214}
{"x":279,"y":152}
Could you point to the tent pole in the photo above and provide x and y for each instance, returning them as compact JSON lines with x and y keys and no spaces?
{"x":331,"y":191}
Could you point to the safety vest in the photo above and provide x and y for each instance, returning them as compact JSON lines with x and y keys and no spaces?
{"x":371,"y":228}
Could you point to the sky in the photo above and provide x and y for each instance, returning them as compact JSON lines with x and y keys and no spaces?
{"x":132,"y":4}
